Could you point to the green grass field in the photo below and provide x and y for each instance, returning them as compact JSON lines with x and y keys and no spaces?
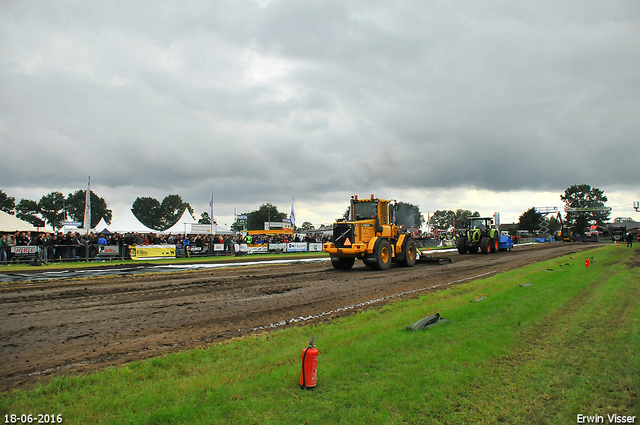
{"x":565,"y":345}
{"x":22,"y":267}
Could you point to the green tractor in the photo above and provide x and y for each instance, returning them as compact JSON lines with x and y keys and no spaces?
{"x":481,"y":234}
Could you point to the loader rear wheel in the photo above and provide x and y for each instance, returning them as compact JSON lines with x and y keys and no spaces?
{"x":484,"y":244}
{"x":383,"y":255}
{"x":342,"y":263}
{"x":410,"y":254}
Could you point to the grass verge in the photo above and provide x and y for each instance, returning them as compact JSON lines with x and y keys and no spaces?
{"x":22,"y":267}
{"x":565,"y":345}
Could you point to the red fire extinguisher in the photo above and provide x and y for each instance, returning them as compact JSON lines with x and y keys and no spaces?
{"x":309,"y":370}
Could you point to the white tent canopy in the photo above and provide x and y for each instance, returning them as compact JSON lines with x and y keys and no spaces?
{"x":188,"y":225}
{"x":180,"y":226}
{"x":10,"y":223}
{"x":128,"y":222}
{"x":102,"y":224}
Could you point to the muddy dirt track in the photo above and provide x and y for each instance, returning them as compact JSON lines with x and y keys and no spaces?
{"x":61,"y":327}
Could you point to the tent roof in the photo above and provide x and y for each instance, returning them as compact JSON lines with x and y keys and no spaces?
{"x":128,"y":222}
{"x":179,"y":226}
{"x":10,"y":223}
{"x":102,"y":224}
{"x":183,"y":225}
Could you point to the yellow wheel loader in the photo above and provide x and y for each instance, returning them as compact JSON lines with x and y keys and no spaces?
{"x":371,"y":235}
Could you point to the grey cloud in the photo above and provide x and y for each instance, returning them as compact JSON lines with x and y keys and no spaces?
{"x":318,"y":97}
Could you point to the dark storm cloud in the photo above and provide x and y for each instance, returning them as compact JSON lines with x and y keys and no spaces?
{"x":269,"y":99}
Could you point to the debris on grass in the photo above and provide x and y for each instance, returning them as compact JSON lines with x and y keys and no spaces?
{"x":427,"y":322}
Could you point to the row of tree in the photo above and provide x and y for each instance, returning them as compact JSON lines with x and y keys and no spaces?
{"x":581,"y":196}
{"x":406,"y":213}
{"x":161,"y":215}
{"x":54,"y":208}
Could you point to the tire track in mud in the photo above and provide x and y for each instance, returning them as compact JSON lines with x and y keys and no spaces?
{"x":76,"y":326}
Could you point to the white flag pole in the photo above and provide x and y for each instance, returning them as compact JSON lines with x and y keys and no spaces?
{"x":87,"y":208}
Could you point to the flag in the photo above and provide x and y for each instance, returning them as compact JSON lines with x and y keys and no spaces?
{"x":211,"y":208}
{"x":87,"y":207}
{"x":293,"y":216}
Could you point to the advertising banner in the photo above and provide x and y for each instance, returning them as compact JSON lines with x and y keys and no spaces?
{"x":297,"y":247}
{"x":218,"y":247}
{"x":198,"y":250}
{"x":152,"y":252}
{"x":274,"y":225}
{"x":240,"y":247}
{"x":24,"y":250}
{"x":315,"y":247}
{"x":258,"y":250}
{"x":276,"y":247}
{"x":199,"y":228}
{"x":111,"y":250}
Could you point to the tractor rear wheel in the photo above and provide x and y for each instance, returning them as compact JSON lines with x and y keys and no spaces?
{"x":462,"y":245}
{"x":484,"y":244}
{"x":495,"y":244}
{"x":383,"y":255}
{"x":409,"y":254}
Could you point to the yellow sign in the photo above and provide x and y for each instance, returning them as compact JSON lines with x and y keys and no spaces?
{"x":151,"y":252}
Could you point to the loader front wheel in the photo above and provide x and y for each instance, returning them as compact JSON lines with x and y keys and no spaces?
{"x":342,"y":263}
{"x":383,"y":255}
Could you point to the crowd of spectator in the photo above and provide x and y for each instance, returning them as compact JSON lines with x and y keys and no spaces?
{"x":74,"y":246}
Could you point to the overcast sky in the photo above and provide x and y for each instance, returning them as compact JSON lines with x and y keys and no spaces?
{"x":488,"y":106}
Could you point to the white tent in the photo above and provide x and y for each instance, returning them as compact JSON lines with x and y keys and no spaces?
{"x":128,"y":222}
{"x":180,"y":226}
{"x":10,"y":223}
{"x":101,"y":225}
{"x":217,"y":230}
{"x":73,"y":229}
{"x":187,"y":224}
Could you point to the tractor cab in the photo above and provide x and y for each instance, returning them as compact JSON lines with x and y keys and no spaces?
{"x":481,"y":223}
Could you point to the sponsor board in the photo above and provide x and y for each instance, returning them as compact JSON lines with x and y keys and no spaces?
{"x":297,"y":247}
{"x":24,"y":250}
{"x":198,"y":250}
{"x":240,"y":247}
{"x":108,"y":250}
{"x":150,"y":252}
{"x":200,"y":228}
{"x":315,"y":247}
{"x":273,"y":225}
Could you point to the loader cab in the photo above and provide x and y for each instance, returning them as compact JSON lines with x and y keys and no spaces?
{"x":370,"y":209}
{"x":363,"y":210}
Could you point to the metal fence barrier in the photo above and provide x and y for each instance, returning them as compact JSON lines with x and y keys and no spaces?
{"x":37,"y":254}
{"x":73,"y":253}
